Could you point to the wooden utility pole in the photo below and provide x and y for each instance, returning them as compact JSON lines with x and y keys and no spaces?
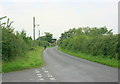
{"x":39,"y":33}
{"x":34,"y":28}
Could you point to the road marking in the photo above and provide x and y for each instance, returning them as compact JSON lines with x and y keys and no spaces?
{"x":41,"y":79}
{"x":46,"y":71}
{"x":49,"y":75}
{"x":37,"y":71}
{"x":38,"y":74}
{"x":52,"y":78}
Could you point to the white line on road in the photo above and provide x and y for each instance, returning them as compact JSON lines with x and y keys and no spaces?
{"x":49,"y":75}
{"x":37,"y":71}
{"x":43,"y":68}
{"x":40,"y":76}
{"x":41,"y":79}
{"x":52,"y":78}
{"x":46,"y":71}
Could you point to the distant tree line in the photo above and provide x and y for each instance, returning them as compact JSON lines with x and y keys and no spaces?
{"x":14,"y":44}
{"x":94,"y":41}
{"x":47,"y":39}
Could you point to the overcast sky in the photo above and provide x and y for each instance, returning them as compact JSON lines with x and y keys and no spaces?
{"x":57,"y":16}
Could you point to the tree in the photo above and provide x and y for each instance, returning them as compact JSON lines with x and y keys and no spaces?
{"x":95,"y":41}
{"x":48,"y":36}
{"x":46,"y":39}
{"x":14,"y":44}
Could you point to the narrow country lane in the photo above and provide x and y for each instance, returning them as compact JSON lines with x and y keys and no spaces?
{"x":61,"y":67}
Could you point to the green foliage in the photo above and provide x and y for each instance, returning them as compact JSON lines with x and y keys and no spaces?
{"x":31,"y":59}
{"x":14,"y":44}
{"x":42,"y":43}
{"x":45,"y":40}
{"x":85,"y":31}
{"x":94,"y":41}
{"x":99,"y":59}
{"x":48,"y":37}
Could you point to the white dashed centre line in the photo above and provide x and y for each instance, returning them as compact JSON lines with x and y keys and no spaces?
{"x":49,"y":75}
{"x":38,"y":74}
{"x":52,"y":78}
{"x":46,"y":71}
{"x":41,"y":79}
{"x":37,"y":71}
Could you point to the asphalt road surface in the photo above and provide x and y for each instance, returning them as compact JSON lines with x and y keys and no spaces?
{"x":61,"y":67}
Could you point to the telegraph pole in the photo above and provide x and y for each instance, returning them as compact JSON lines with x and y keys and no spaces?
{"x":34,"y":28}
{"x":39,"y":33}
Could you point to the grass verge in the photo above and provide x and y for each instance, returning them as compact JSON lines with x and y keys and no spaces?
{"x":33,"y":58}
{"x":106,"y":61}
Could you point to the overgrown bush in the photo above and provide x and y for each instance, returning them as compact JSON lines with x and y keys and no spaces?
{"x":42,"y":43}
{"x":14,"y":43}
{"x":95,"y":41}
{"x":46,"y":39}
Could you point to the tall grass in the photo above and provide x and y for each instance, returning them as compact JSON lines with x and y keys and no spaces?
{"x":95,"y":41}
{"x":99,"y":59}
{"x":32,"y":58}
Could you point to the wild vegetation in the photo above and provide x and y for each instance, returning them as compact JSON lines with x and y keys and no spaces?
{"x":47,"y":39}
{"x":93,"y":41}
{"x":16,"y":45}
{"x":31,"y":59}
{"x":18,"y":51}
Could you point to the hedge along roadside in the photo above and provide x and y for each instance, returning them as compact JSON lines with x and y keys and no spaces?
{"x":14,"y":44}
{"x":93,"y":41}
